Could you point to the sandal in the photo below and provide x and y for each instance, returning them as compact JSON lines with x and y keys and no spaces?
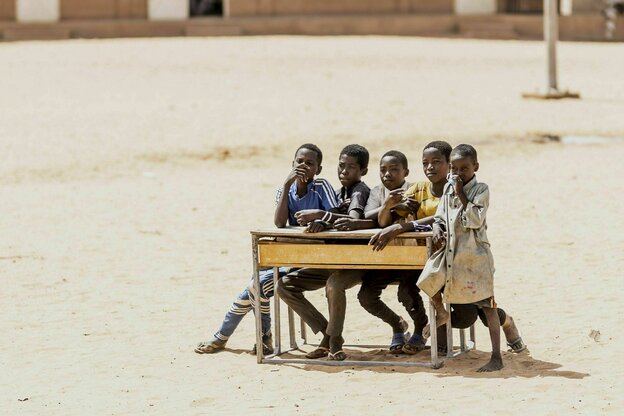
{"x":398,"y":340}
{"x":517,"y":346}
{"x":320,"y":352}
{"x":267,"y":345}
{"x":209,"y":347}
{"x":415,"y":345}
{"x":337,"y":356}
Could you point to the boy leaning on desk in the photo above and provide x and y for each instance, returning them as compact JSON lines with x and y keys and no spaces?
{"x":301,"y":191}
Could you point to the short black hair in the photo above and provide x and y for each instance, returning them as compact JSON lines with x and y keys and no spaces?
{"x":358,"y":152}
{"x":442,"y":146}
{"x":464,"y":151}
{"x":314,"y":148}
{"x":399,"y":155}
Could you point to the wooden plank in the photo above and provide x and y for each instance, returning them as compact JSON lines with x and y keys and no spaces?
{"x":7,"y":10}
{"x":297,"y":232}
{"x":332,"y":256}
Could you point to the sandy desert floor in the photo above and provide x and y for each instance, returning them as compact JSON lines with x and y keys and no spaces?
{"x":133,"y":170}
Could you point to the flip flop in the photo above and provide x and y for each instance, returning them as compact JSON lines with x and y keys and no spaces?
{"x":337,"y":356}
{"x":398,"y":340}
{"x":517,"y":345}
{"x":320,"y":352}
{"x":415,"y":345}
{"x":209,"y":347}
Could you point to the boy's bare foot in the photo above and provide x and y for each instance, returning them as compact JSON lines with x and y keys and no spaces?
{"x":495,"y":364}
{"x":442,"y":318}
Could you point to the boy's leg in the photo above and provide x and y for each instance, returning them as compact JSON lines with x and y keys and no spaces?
{"x":335,"y":290}
{"x":496,"y":361}
{"x":266,"y":292}
{"x":462,"y":316}
{"x":370,"y":299}
{"x":409,"y":296}
{"x":442,"y":315}
{"x":512,"y":334}
{"x":240,"y":307}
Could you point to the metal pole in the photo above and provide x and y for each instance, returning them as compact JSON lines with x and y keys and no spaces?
{"x":256,"y":285}
{"x":551,"y":35}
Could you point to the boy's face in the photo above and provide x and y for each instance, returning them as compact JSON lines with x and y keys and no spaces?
{"x":465,"y":167}
{"x":310,"y":159}
{"x":349,"y":170}
{"x":392,"y":172}
{"x":435,"y":165}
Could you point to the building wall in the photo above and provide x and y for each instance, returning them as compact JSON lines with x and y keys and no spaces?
{"x":103,"y":9}
{"x":236,"y":8}
{"x":7,"y":9}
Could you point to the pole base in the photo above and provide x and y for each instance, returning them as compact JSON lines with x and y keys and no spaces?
{"x":551,"y":94}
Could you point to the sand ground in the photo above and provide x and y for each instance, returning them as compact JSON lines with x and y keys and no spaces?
{"x":132,"y":171}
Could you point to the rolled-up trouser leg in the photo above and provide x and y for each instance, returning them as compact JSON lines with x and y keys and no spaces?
{"x":291,"y":288}
{"x":337,"y":285}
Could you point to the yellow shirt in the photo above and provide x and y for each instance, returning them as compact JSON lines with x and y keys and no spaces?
{"x":421,"y":192}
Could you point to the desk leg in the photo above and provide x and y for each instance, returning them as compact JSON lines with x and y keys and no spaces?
{"x":291,"y":328}
{"x":435,"y":363}
{"x":304,"y":334}
{"x":449,"y":333}
{"x":462,"y":339}
{"x":256,"y":277}
{"x":472,"y":337}
{"x":277,"y":315}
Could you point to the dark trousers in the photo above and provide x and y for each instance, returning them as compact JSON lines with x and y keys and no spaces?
{"x":408,"y":294}
{"x":463,"y":316}
{"x":291,"y":290}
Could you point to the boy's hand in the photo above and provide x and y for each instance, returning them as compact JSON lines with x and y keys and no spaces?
{"x":346,"y":224}
{"x":439,"y":237}
{"x":408,"y":205}
{"x":458,"y":184}
{"x":306,"y":216}
{"x":316,"y":227}
{"x":299,"y":172}
{"x":382,"y":237}
{"x":394,"y":198}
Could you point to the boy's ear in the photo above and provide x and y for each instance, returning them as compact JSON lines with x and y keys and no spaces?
{"x":406,"y":172}
{"x":476,"y":166}
{"x":363,"y":172}
{"x":318,"y":171}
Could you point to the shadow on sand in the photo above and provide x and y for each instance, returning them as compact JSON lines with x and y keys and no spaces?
{"x":465,"y":365}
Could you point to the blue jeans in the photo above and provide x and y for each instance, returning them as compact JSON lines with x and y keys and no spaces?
{"x":245,"y":302}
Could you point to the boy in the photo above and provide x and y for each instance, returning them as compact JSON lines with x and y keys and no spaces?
{"x":352,"y":166}
{"x":300,"y":191}
{"x":385,"y":206}
{"x":464,"y":268}
{"x":436,"y":162}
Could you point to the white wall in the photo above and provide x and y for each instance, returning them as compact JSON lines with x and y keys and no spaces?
{"x":168,"y":9}
{"x":37,"y":10}
{"x":475,"y":6}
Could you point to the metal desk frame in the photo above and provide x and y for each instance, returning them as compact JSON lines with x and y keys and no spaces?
{"x":267,"y":247}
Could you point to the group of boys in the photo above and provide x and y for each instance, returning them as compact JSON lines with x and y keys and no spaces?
{"x":395,"y":206}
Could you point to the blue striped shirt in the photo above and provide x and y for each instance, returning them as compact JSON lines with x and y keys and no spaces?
{"x":320,"y":195}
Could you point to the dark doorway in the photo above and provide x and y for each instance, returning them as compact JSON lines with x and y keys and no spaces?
{"x":521,"y":6}
{"x":206,"y":8}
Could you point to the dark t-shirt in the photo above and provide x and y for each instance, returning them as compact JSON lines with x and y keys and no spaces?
{"x":354,"y":198}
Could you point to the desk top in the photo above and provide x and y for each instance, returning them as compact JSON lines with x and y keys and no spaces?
{"x":297,"y":232}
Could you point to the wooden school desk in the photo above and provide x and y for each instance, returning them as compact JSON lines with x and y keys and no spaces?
{"x":291,"y":247}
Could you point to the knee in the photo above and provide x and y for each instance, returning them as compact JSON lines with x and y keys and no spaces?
{"x":366,"y":297}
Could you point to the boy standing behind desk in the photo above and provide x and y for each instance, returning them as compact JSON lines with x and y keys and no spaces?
{"x":299,"y":192}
